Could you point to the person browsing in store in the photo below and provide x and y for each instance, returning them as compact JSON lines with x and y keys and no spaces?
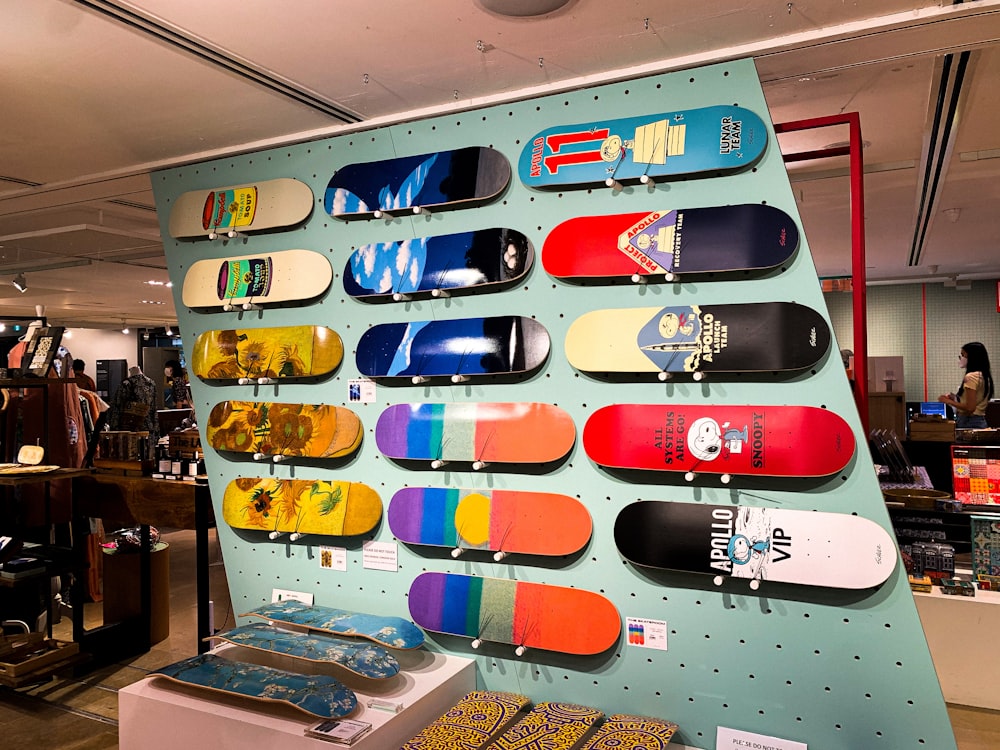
{"x":976,"y":389}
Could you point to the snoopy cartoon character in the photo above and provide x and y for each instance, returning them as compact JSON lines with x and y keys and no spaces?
{"x":707,"y":439}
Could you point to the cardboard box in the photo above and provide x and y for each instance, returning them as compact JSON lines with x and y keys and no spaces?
{"x":22,"y":655}
{"x":932,"y":429}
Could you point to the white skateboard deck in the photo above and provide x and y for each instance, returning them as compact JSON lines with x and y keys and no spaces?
{"x":240,"y":208}
{"x":267,"y":278}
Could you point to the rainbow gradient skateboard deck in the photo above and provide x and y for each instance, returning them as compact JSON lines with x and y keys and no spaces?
{"x":775,"y":441}
{"x":317,"y":695}
{"x":499,"y":521}
{"x":457,"y":349}
{"x":480,"y":433}
{"x":752,"y":337}
{"x":275,"y":431}
{"x":248,"y":281}
{"x":472,"y":723}
{"x":716,"y":239}
{"x":664,"y":145}
{"x":835,"y":550}
{"x":391,"y":632}
{"x":559,"y":726}
{"x":227,"y":211}
{"x":526,"y":615}
{"x":266,"y":355}
{"x":624,"y":731}
{"x":468,"y":262}
{"x":301,"y":506}
{"x":440,"y":181}
{"x":363,"y":659}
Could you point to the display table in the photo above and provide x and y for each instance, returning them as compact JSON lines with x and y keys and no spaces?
{"x":156,"y":714}
{"x":961,"y":631}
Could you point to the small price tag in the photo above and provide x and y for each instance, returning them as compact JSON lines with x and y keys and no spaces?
{"x":647,"y":633}
{"x":333,"y":558}
{"x":361,"y":391}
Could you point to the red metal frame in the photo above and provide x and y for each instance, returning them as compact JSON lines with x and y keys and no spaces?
{"x":857,"y":176}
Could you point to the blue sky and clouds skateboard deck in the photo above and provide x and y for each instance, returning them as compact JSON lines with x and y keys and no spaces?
{"x":445,"y":348}
{"x":443,"y":263}
{"x":695,"y":240}
{"x":669,"y":144}
{"x":836,"y":550}
{"x":443,"y":180}
{"x":392,"y":632}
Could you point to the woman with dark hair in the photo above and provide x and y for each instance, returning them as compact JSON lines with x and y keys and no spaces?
{"x":178,"y":394}
{"x":976,"y":391}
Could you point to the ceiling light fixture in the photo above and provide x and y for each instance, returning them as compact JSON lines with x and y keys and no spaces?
{"x":522,"y":8}
{"x":168,"y":331}
{"x":20,"y":283}
{"x":124,"y":327}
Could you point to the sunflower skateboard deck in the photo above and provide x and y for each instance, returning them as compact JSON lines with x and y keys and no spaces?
{"x":835,"y":550}
{"x":472,"y":723}
{"x":247,"y":281}
{"x":625,"y":732}
{"x":526,"y":615}
{"x":363,"y":659}
{"x":775,"y":441}
{"x":440,"y":181}
{"x":748,"y":237}
{"x":647,"y":147}
{"x":550,"y":725}
{"x":227,"y":211}
{"x":266,"y":355}
{"x":499,"y":521}
{"x":480,"y":433}
{"x":274,"y":431}
{"x":457,"y":349}
{"x":301,"y":506}
{"x":468,"y":262}
{"x":317,"y":695}
{"x":752,"y":337}
{"x":391,"y":632}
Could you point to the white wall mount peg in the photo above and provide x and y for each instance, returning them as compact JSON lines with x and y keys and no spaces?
{"x":250,"y":306}
{"x":520,"y":650}
{"x":612,"y":183}
{"x":698,"y":376}
{"x":246,"y":381}
{"x":726,"y":478}
{"x":437,"y":463}
{"x":421,"y":210}
{"x":479,"y":465}
{"x":457,"y":552}
{"x":440,"y":293}
{"x":664,"y":376}
{"x":418,"y":379}
{"x":278,"y":459}
{"x":266,"y":381}
{"x":670,"y":276}
{"x":754,"y":584}
{"x":275,"y":535}
{"x":459,"y":378}
{"x":638,"y":278}
{"x":260,"y":456}
{"x":296,"y":536}
{"x":647,"y":180}
{"x":689,"y":476}
{"x":499,"y":555}
{"x":400,"y":297}
{"x":477,"y":642}
{"x":718,"y":580}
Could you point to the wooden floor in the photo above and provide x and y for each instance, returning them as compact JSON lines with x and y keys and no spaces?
{"x":82,"y":713}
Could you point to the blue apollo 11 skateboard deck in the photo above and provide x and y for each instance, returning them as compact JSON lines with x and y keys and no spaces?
{"x":671,"y":144}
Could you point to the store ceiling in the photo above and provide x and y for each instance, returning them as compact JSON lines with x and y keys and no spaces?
{"x":97,"y":93}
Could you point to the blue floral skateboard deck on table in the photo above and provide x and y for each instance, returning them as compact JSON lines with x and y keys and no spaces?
{"x":457,"y":349}
{"x":318,"y":695}
{"x":471,"y":262}
{"x":472,"y":723}
{"x":672,"y":144}
{"x":407,"y":184}
{"x":364,"y":659}
{"x":391,"y":632}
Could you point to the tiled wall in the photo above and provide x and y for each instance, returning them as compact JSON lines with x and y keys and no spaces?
{"x":895,"y":328}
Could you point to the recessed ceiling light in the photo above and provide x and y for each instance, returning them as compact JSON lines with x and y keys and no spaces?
{"x":522,"y":8}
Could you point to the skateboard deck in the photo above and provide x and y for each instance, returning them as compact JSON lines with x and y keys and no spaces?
{"x":527,"y":615}
{"x":670,"y":144}
{"x":363,"y":659}
{"x":553,"y":726}
{"x":500,"y":521}
{"x":240,"y":208}
{"x":317,"y":695}
{"x":627,"y":732}
{"x":405,"y":185}
{"x":301,"y":506}
{"x":835,"y":550}
{"x":266,"y":355}
{"x":458,"y":349}
{"x":753,"y":337}
{"x":471,"y":724}
{"x":469,"y":261}
{"x":273,"y":429}
{"x":286,"y":276}
{"x":483,"y":433}
{"x":694,"y":240}
{"x":792,"y":441}
{"x":391,"y":632}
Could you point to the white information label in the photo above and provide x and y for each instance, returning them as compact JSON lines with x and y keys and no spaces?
{"x":333,"y":558}
{"x":361,"y":391}
{"x":733,"y":739}
{"x":379,"y":556}
{"x":647,"y":633}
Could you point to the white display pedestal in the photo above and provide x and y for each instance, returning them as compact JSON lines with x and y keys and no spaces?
{"x":157,"y":714}
{"x":960,"y":632}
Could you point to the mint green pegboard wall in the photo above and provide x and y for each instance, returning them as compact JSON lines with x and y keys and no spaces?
{"x":830,"y":668}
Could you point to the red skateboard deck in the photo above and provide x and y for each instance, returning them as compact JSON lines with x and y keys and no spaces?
{"x":786,"y":441}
